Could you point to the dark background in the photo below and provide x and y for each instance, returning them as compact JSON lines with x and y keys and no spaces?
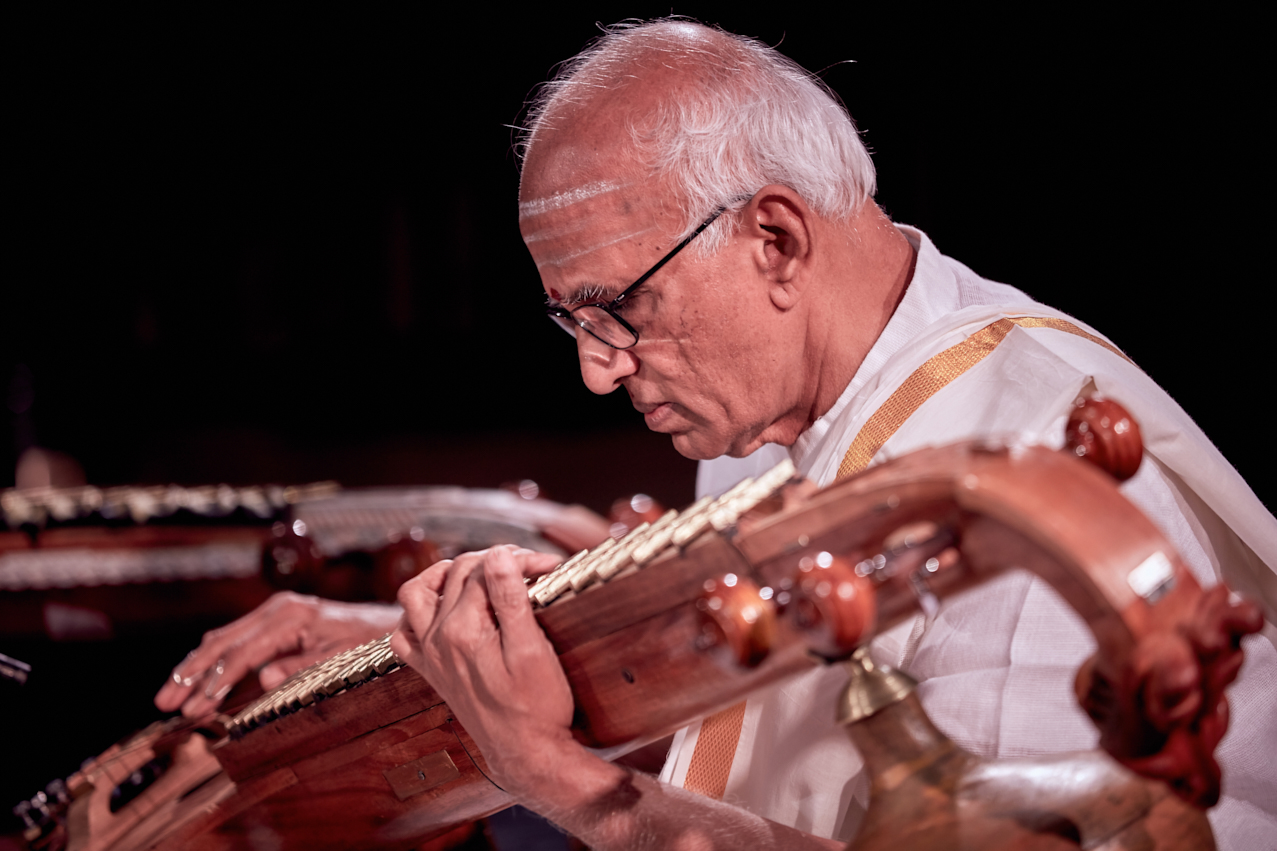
{"x":283,"y":247}
{"x":248,"y":247}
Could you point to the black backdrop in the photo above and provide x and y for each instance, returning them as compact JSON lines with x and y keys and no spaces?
{"x":251,"y":247}
{"x":238,"y":238}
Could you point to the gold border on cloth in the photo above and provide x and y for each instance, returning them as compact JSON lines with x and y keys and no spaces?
{"x":934,"y":375}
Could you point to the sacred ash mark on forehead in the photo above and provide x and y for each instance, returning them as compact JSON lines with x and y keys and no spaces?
{"x":581,"y":251}
{"x":568,"y":197}
{"x":573,"y":249}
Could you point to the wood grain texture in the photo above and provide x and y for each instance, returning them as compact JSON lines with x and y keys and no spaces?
{"x":333,"y":799}
{"x":344,"y":800}
{"x":648,"y":680}
{"x":328,"y":723}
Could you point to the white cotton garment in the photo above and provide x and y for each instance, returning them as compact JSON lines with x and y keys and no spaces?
{"x":996,"y":666}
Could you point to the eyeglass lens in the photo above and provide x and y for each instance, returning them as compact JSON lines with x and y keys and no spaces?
{"x":596,"y":321}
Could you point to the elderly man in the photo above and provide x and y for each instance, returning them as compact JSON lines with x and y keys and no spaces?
{"x":700,"y":211}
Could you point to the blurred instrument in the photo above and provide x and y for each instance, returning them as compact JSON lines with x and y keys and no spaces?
{"x":78,"y":562}
{"x":684,"y":616}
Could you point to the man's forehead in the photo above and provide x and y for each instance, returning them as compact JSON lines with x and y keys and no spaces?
{"x":563,"y":224}
{"x":582,"y":193}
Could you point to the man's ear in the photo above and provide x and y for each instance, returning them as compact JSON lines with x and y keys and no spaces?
{"x":779,"y":224}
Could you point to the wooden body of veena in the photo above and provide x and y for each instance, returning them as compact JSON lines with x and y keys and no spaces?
{"x":361,"y":752}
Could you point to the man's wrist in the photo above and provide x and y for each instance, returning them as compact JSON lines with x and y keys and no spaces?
{"x":570,"y":784}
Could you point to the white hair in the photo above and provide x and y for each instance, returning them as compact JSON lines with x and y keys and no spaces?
{"x":747,"y":117}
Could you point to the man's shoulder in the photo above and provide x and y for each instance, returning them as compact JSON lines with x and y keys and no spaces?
{"x":945,"y":284}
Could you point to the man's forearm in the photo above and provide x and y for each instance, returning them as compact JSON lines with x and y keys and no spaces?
{"x":611,"y":807}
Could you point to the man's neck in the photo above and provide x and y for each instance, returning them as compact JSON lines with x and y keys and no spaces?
{"x":871,"y":267}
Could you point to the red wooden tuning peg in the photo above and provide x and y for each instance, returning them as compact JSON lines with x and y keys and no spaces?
{"x":738,"y":620}
{"x":1101,"y":431}
{"x":831,"y":605}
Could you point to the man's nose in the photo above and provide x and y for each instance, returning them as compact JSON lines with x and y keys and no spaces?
{"x":603,"y":367}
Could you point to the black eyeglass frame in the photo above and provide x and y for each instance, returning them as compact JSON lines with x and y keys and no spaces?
{"x":558,"y":311}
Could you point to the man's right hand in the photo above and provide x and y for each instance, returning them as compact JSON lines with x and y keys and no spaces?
{"x":283,"y":635}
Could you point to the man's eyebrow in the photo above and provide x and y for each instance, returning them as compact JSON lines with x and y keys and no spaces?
{"x":587,"y":293}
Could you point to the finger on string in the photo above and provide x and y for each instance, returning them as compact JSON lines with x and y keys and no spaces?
{"x":535,"y":563}
{"x":405,"y":641}
{"x":199,"y":705}
{"x":419,"y":597}
{"x":471,"y":616}
{"x":520,"y":633}
{"x":405,"y":626}
{"x":453,"y":586}
{"x":407,"y":645}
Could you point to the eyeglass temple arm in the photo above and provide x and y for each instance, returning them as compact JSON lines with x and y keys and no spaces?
{"x":668,"y":257}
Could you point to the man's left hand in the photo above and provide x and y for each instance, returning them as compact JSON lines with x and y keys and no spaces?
{"x":468,"y":629}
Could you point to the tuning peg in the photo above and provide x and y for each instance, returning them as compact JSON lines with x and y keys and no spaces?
{"x":831,"y":605}
{"x":23,"y":811}
{"x":1102,"y":432}
{"x":56,"y":791}
{"x":738,"y":620}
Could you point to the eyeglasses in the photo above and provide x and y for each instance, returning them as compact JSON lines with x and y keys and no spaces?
{"x":601,"y":321}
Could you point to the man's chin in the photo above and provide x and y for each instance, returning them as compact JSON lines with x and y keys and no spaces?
{"x":692,"y":445}
{"x":703,"y":447}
